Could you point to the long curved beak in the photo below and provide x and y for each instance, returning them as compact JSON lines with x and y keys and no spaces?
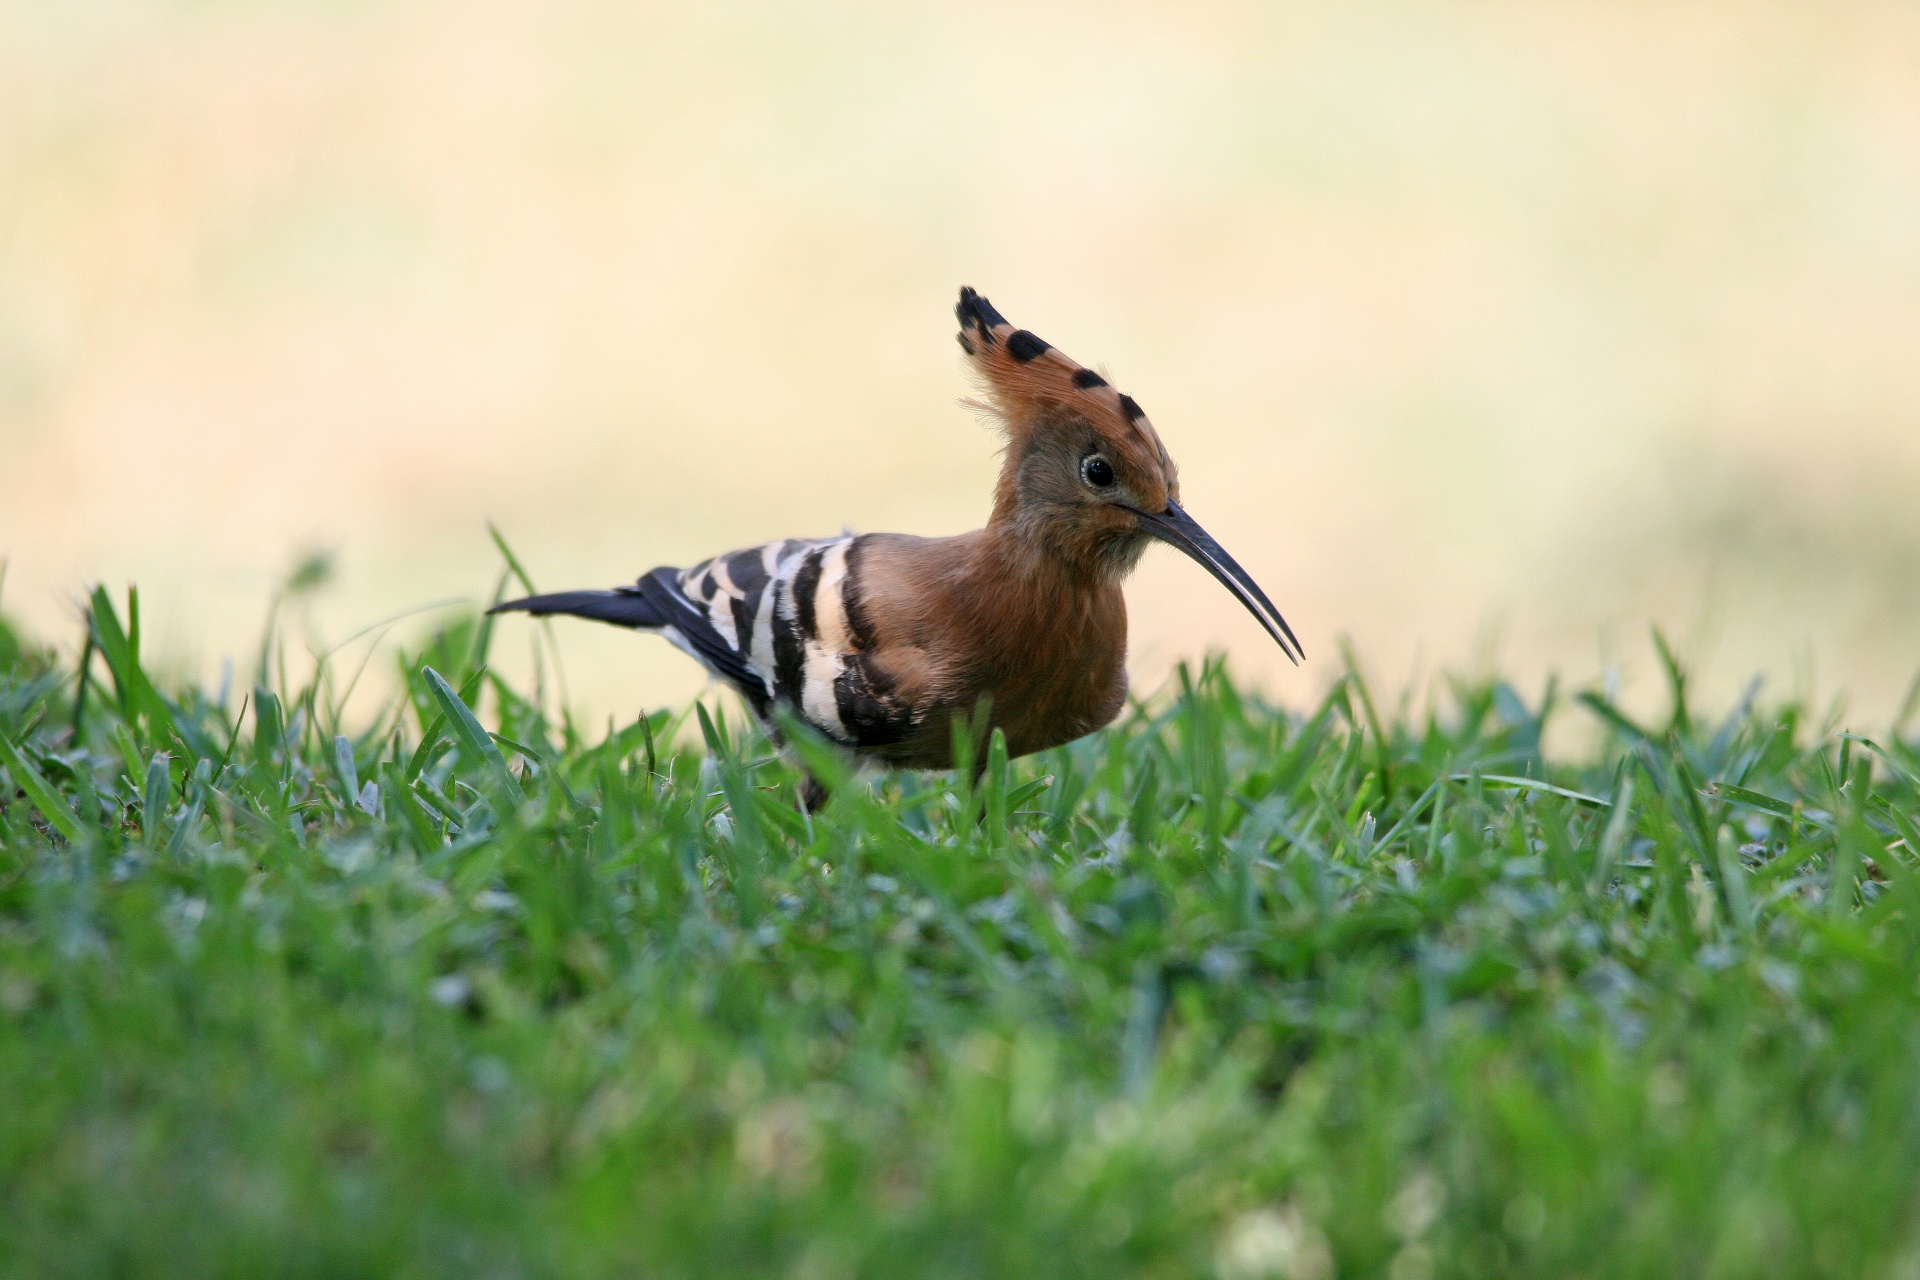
{"x":1176,"y":527}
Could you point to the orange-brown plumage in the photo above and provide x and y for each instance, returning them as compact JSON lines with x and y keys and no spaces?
{"x":955,"y":620}
{"x":881,"y":641}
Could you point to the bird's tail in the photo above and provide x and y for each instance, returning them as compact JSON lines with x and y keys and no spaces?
{"x":623,"y":607}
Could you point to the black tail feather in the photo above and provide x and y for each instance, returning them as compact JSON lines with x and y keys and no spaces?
{"x":623,"y":607}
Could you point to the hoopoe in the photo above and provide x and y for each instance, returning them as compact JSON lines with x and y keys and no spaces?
{"x":880,"y":640}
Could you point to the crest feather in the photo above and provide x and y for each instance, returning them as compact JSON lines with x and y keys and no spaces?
{"x":1031,"y":381}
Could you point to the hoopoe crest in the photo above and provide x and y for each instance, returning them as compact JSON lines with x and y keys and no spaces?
{"x":878,"y":641}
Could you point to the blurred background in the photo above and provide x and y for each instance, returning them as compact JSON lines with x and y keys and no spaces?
{"x":1483,"y":333}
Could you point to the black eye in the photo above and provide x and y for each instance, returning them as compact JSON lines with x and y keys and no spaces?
{"x":1097,"y":471}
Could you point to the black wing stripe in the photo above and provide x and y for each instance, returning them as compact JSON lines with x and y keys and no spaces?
{"x":789,"y":649}
{"x":749,"y":574}
{"x":862,"y":693}
{"x":806,"y":584}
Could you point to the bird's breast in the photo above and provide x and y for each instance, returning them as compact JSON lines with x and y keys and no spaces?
{"x":1058,"y":672}
{"x":949,"y":626}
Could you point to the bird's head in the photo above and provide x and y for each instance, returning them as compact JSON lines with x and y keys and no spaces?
{"x":1086,"y":479}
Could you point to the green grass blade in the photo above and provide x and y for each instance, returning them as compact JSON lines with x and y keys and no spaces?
{"x":514,"y":566}
{"x":344,"y":767}
{"x":154,"y":797}
{"x":473,"y":739}
{"x":269,"y":726}
{"x":549,"y":768}
{"x":1534,"y":784}
{"x":55,"y":810}
{"x":1747,"y":798}
{"x":1612,"y":716}
{"x":994,"y":785}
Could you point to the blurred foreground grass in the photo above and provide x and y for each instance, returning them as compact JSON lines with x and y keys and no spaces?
{"x":1228,"y":990}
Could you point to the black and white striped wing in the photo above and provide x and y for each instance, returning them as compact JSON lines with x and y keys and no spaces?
{"x":721,"y":607}
{"x":783,"y":623}
{"x":773,"y":621}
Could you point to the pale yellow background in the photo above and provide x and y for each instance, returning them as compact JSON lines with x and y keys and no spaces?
{"x":1477,"y":329}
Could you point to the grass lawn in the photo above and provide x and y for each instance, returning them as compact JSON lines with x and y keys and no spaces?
{"x":1228,"y":990}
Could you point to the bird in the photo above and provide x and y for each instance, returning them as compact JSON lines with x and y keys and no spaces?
{"x":883,"y":642}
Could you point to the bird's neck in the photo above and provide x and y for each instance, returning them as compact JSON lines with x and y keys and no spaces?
{"x":1035,"y":547}
{"x":1043,"y":635}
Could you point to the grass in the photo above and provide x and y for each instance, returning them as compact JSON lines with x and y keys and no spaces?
{"x":1227,"y":990}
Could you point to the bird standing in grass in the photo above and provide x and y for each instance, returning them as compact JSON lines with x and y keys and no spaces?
{"x":880,"y":640}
